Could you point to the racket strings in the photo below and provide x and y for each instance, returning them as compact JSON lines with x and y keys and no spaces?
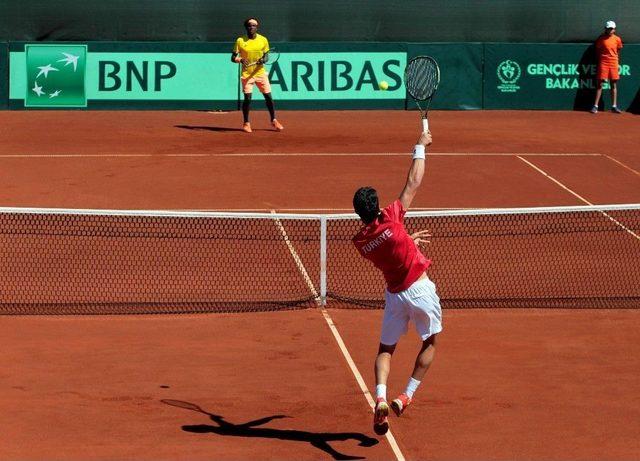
{"x":421,"y":78}
{"x":272,"y":56}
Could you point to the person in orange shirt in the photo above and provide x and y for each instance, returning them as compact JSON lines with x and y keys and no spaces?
{"x":251,"y":51}
{"x":607,"y":47}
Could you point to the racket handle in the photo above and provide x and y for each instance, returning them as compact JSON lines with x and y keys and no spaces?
{"x":425,"y":125}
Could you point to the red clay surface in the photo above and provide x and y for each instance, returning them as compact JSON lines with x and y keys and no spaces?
{"x":156,"y":179}
{"x":516,"y":384}
{"x":520,"y":384}
{"x":90,"y":388}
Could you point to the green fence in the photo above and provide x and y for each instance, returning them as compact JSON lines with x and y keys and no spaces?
{"x":127,"y":75}
{"x":460,"y":73}
{"x":4,"y":75}
{"x":542,"y":21}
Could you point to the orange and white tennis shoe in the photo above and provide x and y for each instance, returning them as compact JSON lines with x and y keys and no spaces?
{"x":246,"y":127}
{"x":380,"y":416}
{"x":400,"y":404}
{"x":277,"y":125}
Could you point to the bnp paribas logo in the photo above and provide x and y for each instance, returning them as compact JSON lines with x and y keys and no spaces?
{"x":56,"y":75}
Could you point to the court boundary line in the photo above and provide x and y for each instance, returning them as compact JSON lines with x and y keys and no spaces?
{"x":301,"y":154}
{"x":622,"y":164}
{"x":615,"y":221}
{"x":296,"y":258}
{"x":336,"y":334}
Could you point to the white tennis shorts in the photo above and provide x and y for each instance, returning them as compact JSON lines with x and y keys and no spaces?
{"x":418,"y":303}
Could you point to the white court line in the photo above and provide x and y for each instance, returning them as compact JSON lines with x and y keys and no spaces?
{"x":395,"y":154}
{"x":363,"y":386}
{"x":336,"y":334}
{"x":296,"y":258}
{"x":575,"y":194}
{"x":301,"y":154}
{"x":623,"y":165}
{"x":72,"y":155}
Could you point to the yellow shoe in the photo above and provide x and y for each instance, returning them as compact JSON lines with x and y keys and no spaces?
{"x":246,"y":127}
{"x":277,"y":125}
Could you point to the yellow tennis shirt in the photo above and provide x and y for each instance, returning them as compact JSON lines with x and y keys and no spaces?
{"x":252,"y":49}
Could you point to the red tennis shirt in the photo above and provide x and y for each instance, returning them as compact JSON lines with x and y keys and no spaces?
{"x":386,"y":243}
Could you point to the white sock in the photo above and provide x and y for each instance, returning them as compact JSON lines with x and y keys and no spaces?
{"x":412,"y":386}
{"x":381,"y":391}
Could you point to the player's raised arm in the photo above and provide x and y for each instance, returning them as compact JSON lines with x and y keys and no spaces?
{"x":416,"y":172}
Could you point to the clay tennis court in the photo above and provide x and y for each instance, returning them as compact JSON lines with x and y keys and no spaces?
{"x":506,"y":383}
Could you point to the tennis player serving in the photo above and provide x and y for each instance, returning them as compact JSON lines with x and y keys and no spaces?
{"x":410,"y":295}
{"x":252,"y":51}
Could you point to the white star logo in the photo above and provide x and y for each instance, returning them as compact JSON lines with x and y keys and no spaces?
{"x":70,"y":59}
{"x":37,"y":89}
{"x":45,"y":70}
{"x":54,"y":94}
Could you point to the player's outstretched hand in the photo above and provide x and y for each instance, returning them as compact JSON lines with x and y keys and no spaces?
{"x":425,"y":139}
{"x":421,"y":238}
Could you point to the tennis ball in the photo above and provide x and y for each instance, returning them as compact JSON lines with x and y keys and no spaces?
{"x":383,"y":85}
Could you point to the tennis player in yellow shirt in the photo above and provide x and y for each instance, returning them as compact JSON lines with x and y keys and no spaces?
{"x":252,"y":48}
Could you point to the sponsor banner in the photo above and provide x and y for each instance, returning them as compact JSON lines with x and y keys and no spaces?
{"x":175,"y":75}
{"x":70,"y":75}
{"x":138,"y":76}
{"x":55,"y":75}
{"x":552,"y":76}
{"x":338,"y":75}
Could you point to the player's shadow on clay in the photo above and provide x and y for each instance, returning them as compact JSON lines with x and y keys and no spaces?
{"x":206,"y":128}
{"x":249,"y":429}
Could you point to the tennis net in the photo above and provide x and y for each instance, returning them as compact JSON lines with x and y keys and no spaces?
{"x":55,"y":261}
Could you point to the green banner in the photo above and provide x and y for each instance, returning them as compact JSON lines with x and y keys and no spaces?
{"x":72,"y":75}
{"x":337,"y":76}
{"x":4,"y":75}
{"x":320,"y":75}
{"x":551,"y":76}
{"x":55,"y":75}
{"x":189,"y":77}
{"x":460,"y":73}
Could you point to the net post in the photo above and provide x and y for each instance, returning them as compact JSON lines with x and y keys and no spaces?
{"x":323,"y":260}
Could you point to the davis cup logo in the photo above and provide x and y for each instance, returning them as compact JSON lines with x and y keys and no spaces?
{"x":56,"y":76}
{"x":508,"y":73}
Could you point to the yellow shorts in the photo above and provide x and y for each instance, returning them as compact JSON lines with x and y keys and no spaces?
{"x":262,"y":82}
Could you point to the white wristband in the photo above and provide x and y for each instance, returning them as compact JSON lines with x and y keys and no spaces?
{"x":418,"y":151}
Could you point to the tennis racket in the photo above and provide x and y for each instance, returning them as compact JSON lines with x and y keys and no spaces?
{"x":421,"y":79}
{"x":268,"y":58}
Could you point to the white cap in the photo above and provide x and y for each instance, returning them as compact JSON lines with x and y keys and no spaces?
{"x":610,"y":25}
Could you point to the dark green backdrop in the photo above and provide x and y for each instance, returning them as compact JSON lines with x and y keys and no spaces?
{"x":460,"y":73}
{"x":4,"y":75}
{"x":318,"y":20}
